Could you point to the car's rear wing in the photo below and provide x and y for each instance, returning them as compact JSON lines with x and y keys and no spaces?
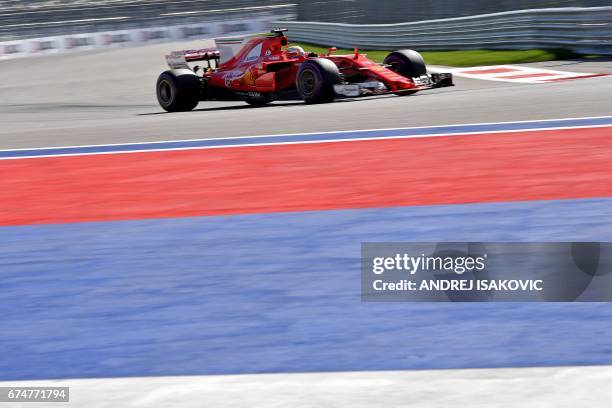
{"x":179,"y":59}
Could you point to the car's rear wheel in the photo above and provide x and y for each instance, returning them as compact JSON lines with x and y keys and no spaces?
{"x":178,"y":90}
{"x":407,"y":63}
{"x":315,"y":80}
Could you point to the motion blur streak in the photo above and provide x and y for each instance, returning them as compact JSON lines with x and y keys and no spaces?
{"x":548,"y":164}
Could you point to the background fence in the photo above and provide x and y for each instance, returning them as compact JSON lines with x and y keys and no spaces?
{"x":22,"y":19}
{"x":35,"y":26}
{"x":43,"y":18}
{"x":582,"y":30}
{"x":402,"y":11}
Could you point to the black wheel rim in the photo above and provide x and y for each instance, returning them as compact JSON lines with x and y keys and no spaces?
{"x":308,"y":82}
{"x":165,"y":91}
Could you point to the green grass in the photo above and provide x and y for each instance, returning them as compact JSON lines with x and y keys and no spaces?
{"x":463,"y":58}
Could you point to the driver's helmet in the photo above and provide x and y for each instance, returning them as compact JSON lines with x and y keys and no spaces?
{"x":294,"y":51}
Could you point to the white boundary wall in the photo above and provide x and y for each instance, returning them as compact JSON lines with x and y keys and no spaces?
{"x":129,"y":38}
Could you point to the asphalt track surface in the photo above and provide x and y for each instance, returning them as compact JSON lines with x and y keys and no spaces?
{"x":108,"y":97}
{"x":143,"y":297}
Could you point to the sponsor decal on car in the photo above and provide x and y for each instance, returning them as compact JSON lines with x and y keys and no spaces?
{"x":249,"y":94}
{"x":249,"y":77}
{"x":232,"y":76}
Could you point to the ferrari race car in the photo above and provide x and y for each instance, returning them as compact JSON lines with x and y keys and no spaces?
{"x":261,"y":69}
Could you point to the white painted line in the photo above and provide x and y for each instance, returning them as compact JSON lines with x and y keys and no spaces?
{"x":450,"y":135}
{"x":87,"y":20}
{"x":323,"y":133}
{"x":252,"y":8}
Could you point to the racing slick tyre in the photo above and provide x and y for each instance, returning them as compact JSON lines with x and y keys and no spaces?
{"x":178,"y":90}
{"x":315,"y":80}
{"x":407,"y":63}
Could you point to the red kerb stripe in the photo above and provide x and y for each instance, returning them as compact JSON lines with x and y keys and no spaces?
{"x":489,"y":71}
{"x":538,"y":165}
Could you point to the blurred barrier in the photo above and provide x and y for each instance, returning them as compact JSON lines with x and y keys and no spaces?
{"x":20,"y":19}
{"x":124,"y":38}
{"x":585,"y":30}
{"x":403,"y":11}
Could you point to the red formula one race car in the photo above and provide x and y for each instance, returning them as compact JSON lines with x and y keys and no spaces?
{"x":264,"y":68}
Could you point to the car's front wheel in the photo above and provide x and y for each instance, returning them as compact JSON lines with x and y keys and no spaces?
{"x":315,"y":80}
{"x":407,"y":63}
{"x":178,"y":90}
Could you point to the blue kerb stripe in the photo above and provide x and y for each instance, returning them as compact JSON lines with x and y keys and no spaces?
{"x":308,"y":137}
{"x":277,"y":293}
